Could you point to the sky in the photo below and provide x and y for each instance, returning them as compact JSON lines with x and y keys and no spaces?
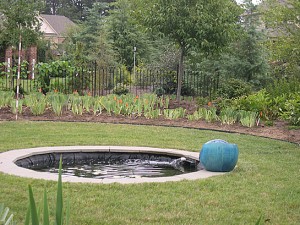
{"x":254,"y":1}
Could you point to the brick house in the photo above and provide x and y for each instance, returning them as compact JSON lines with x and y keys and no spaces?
{"x":54,"y":29}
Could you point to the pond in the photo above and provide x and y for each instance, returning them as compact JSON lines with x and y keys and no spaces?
{"x":104,"y":164}
{"x":100,"y":165}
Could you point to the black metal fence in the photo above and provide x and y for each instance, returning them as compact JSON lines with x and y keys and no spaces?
{"x":99,"y":81}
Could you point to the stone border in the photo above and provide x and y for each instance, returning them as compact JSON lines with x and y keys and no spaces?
{"x":8,"y":166}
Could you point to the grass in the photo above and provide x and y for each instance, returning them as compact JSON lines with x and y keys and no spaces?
{"x":266,"y":181}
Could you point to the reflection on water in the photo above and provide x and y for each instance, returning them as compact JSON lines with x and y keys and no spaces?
{"x":102,"y":165}
{"x":129,"y":168}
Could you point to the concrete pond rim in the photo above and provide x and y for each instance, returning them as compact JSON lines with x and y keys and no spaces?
{"x":8,"y":166}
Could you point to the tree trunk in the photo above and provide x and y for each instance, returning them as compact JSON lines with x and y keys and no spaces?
{"x":54,"y":7}
{"x":180,"y":73}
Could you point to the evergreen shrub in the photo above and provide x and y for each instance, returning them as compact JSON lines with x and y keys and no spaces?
{"x":234,"y":88}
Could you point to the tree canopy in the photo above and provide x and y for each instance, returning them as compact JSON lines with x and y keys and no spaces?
{"x":283,"y":25}
{"x":19,"y":17}
{"x":88,"y":41}
{"x":207,"y":25}
{"x":73,"y":9}
{"x":126,"y":34}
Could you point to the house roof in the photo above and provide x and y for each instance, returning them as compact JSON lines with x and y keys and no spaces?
{"x":59,"y":24}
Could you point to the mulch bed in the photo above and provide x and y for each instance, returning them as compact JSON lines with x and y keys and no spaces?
{"x":280,"y":129}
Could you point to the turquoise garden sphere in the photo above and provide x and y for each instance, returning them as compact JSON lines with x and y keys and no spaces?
{"x":219,"y":156}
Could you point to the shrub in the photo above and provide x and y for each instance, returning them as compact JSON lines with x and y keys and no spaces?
{"x":170,"y":88}
{"x":284,"y":86}
{"x":123,"y":76}
{"x":222,"y":103}
{"x":291,"y":110}
{"x":259,"y":102}
{"x":159,"y":91}
{"x":187,"y":90}
{"x":57,"y":69}
{"x":167,"y":82}
{"x":234,"y":88}
{"x":202,"y":101}
{"x":120,"y":89}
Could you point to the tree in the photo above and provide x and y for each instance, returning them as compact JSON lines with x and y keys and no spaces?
{"x":248,"y":57}
{"x":73,"y":9}
{"x":93,"y":25}
{"x":282,"y":21}
{"x":125,"y":34}
{"x":207,"y":25}
{"x":19,"y":18}
{"x":88,"y":41}
{"x":94,"y":35}
{"x":245,"y":59}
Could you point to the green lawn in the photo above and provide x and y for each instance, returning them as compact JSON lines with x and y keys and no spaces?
{"x":266,"y":181}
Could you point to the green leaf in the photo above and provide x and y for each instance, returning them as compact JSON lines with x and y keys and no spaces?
{"x":68,"y":211}
{"x":27,"y":218}
{"x":258,"y":221}
{"x":59,"y":199}
{"x":33,"y":210}
{"x":46,"y":210}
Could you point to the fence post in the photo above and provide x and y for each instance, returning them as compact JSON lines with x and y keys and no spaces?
{"x":94,"y":78}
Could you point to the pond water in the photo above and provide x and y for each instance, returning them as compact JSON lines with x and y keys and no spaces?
{"x":103,"y":165}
